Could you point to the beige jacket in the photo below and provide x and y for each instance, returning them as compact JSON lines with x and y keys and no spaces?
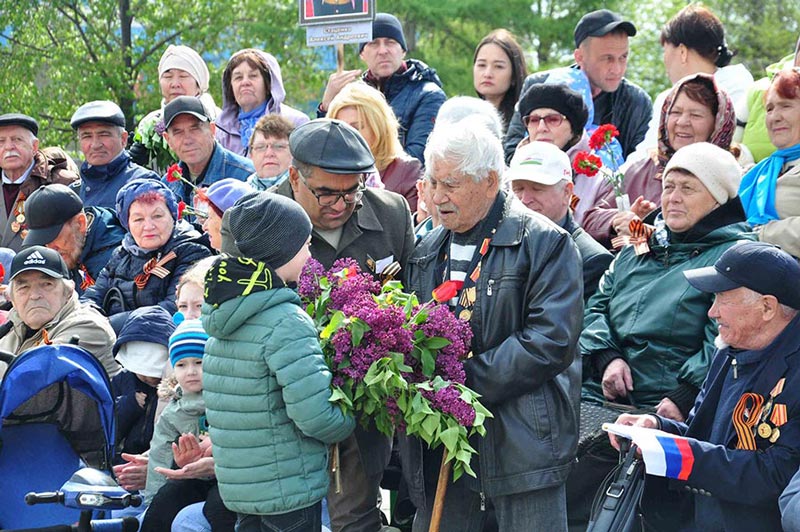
{"x":786,"y":231}
{"x":74,"y":319}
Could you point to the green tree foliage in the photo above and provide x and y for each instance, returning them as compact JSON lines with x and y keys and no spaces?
{"x":58,"y":54}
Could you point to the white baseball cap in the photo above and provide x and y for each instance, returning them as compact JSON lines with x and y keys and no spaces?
{"x":540,"y":162}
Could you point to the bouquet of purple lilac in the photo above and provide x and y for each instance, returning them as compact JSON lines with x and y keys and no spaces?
{"x":394,"y":361}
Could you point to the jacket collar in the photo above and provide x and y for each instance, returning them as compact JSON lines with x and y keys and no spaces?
{"x":106,"y":171}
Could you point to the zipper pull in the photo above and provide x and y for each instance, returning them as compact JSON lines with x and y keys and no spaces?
{"x":735,"y":368}
{"x":489,"y":287}
{"x":483,"y":502}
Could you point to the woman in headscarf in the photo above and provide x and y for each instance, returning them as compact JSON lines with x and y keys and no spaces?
{"x":252,"y":86}
{"x":696,"y":110}
{"x":181,"y":72}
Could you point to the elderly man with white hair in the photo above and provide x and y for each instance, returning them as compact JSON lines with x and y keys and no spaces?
{"x":739,"y":446}
{"x":47,"y":311}
{"x":24,"y":169}
{"x":517,"y":280}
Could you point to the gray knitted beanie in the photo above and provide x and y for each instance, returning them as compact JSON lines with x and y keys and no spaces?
{"x":265,"y":226}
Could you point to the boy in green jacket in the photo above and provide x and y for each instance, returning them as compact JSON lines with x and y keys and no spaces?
{"x":265,"y":381}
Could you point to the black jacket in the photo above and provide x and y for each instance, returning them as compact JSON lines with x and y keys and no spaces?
{"x":631,"y":110}
{"x":526,"y":321}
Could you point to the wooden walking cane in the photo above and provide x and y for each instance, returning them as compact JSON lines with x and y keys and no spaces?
{"x":441,"y":491}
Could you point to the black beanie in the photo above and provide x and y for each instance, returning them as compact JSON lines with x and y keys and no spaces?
{"x":387,"y":26}
{"x":559,"y":98}
{"x":266,"y":227}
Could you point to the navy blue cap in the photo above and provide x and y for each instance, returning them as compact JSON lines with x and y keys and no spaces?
{"x":759,"y":266}
{"x":387,"y":26}
{"x":599,"y":23}
{"x":98,"y":111}
{"x":18,"y":119}
{"x":332,"y":145}
{"x":185,"y":105}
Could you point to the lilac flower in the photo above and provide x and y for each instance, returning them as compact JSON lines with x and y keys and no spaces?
{"x":448,"y":400}
{"x":159,"y":128}
{"x":308,"y":283}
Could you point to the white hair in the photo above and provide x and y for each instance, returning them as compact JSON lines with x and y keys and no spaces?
{"x":469,"y":145}
{"x":751,"y":296}
{"x":458,"y":108}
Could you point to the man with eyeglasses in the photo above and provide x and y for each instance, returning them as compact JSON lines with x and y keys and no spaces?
{"x":601,"y":53}
{"x":330,"y":160}
{"x":203,"y":161}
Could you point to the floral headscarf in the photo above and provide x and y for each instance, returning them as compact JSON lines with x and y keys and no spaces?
{"x":724,"y":122}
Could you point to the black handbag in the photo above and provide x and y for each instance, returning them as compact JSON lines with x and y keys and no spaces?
{"x":616,"y":506}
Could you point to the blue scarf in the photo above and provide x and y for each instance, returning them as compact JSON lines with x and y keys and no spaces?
{"x":247,"y":122}
{"x":263,"y":183}
{"x":757,"y":190}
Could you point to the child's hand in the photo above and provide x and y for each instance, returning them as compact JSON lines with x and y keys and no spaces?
{"x":187,"y":450}
{"x":141,"y":397}
{"x":202,"y":468}
{"x":132,"y":475}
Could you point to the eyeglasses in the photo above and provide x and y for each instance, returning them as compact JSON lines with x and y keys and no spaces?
{"x":551,"y":120}
{"x":328,"y":199}
{"x":276,"y":146}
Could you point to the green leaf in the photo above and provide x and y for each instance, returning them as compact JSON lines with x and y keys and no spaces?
{"x":357,"y":329}
{"x":428,"y":362}
{"x":337,"y":320}
{"x":437,"y":342}
{"x":449,"y":438}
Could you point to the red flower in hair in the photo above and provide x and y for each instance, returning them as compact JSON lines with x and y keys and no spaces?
{"x":174,"y":173}
{"x":587,"y":164}
{"x":602,"y":136}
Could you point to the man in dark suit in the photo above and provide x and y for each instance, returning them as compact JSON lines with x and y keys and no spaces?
{"x":541,"y":177}
{"x":742,"y":437}
{"x":329,"y":162}
{"x":323,"y":8}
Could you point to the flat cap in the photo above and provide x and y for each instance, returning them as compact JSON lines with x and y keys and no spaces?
{"x":17,"y":119}
{"x":185,"y":105}
{"x":333,"y":146}
{"x":98,"y":111}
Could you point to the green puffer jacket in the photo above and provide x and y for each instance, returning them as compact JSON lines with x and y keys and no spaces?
{"x":645,"y":312}
{"x":267,"y":391}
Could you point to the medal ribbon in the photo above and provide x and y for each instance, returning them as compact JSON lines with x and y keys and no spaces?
{"x":154,"y":266}
{"x":87,"y":281}
{"x":744,"y":418}
{"x":640,"y":234}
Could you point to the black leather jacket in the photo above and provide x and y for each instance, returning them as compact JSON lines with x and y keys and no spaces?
{"x":526,"y":321}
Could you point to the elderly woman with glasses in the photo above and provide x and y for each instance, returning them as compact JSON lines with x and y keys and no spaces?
{"x":269,"y":151}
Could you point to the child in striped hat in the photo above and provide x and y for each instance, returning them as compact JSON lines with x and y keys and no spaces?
{"x":178,"y":434}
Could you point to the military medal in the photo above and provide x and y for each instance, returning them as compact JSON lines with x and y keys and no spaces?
{"x":764,"y":430}
{"x":15,"y":227}
{"x":20,"y":218}
{"x":776,"y":433}
{"x":465,"y":315}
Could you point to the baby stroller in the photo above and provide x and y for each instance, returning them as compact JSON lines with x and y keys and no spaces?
{"x":57,"y":415}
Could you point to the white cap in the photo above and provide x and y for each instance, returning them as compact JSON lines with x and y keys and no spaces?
{"x":540,"y":162}
{"x":715,"y":167}
{"x":145,"y":358}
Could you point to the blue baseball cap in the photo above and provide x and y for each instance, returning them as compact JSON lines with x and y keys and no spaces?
{"x":759,"y":266}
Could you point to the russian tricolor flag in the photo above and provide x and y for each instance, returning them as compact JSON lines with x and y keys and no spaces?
{"x":665,"y":455}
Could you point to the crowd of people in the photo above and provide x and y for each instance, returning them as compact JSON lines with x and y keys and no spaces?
{"x":659,"y":289}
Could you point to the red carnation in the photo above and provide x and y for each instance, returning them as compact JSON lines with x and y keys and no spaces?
{"x":587,"y":164}
{"x":602,"y":136}
{"x":174,"y":173}
{"x":181,"y":208}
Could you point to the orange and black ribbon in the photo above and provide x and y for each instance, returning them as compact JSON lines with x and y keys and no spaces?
{"x":154,"y":266}
{"x":573,"y":202}
{"x":46,"y":338}
{"x":87,"y":281}
{"x":640,"y":234}
{"x":744,"y":418}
